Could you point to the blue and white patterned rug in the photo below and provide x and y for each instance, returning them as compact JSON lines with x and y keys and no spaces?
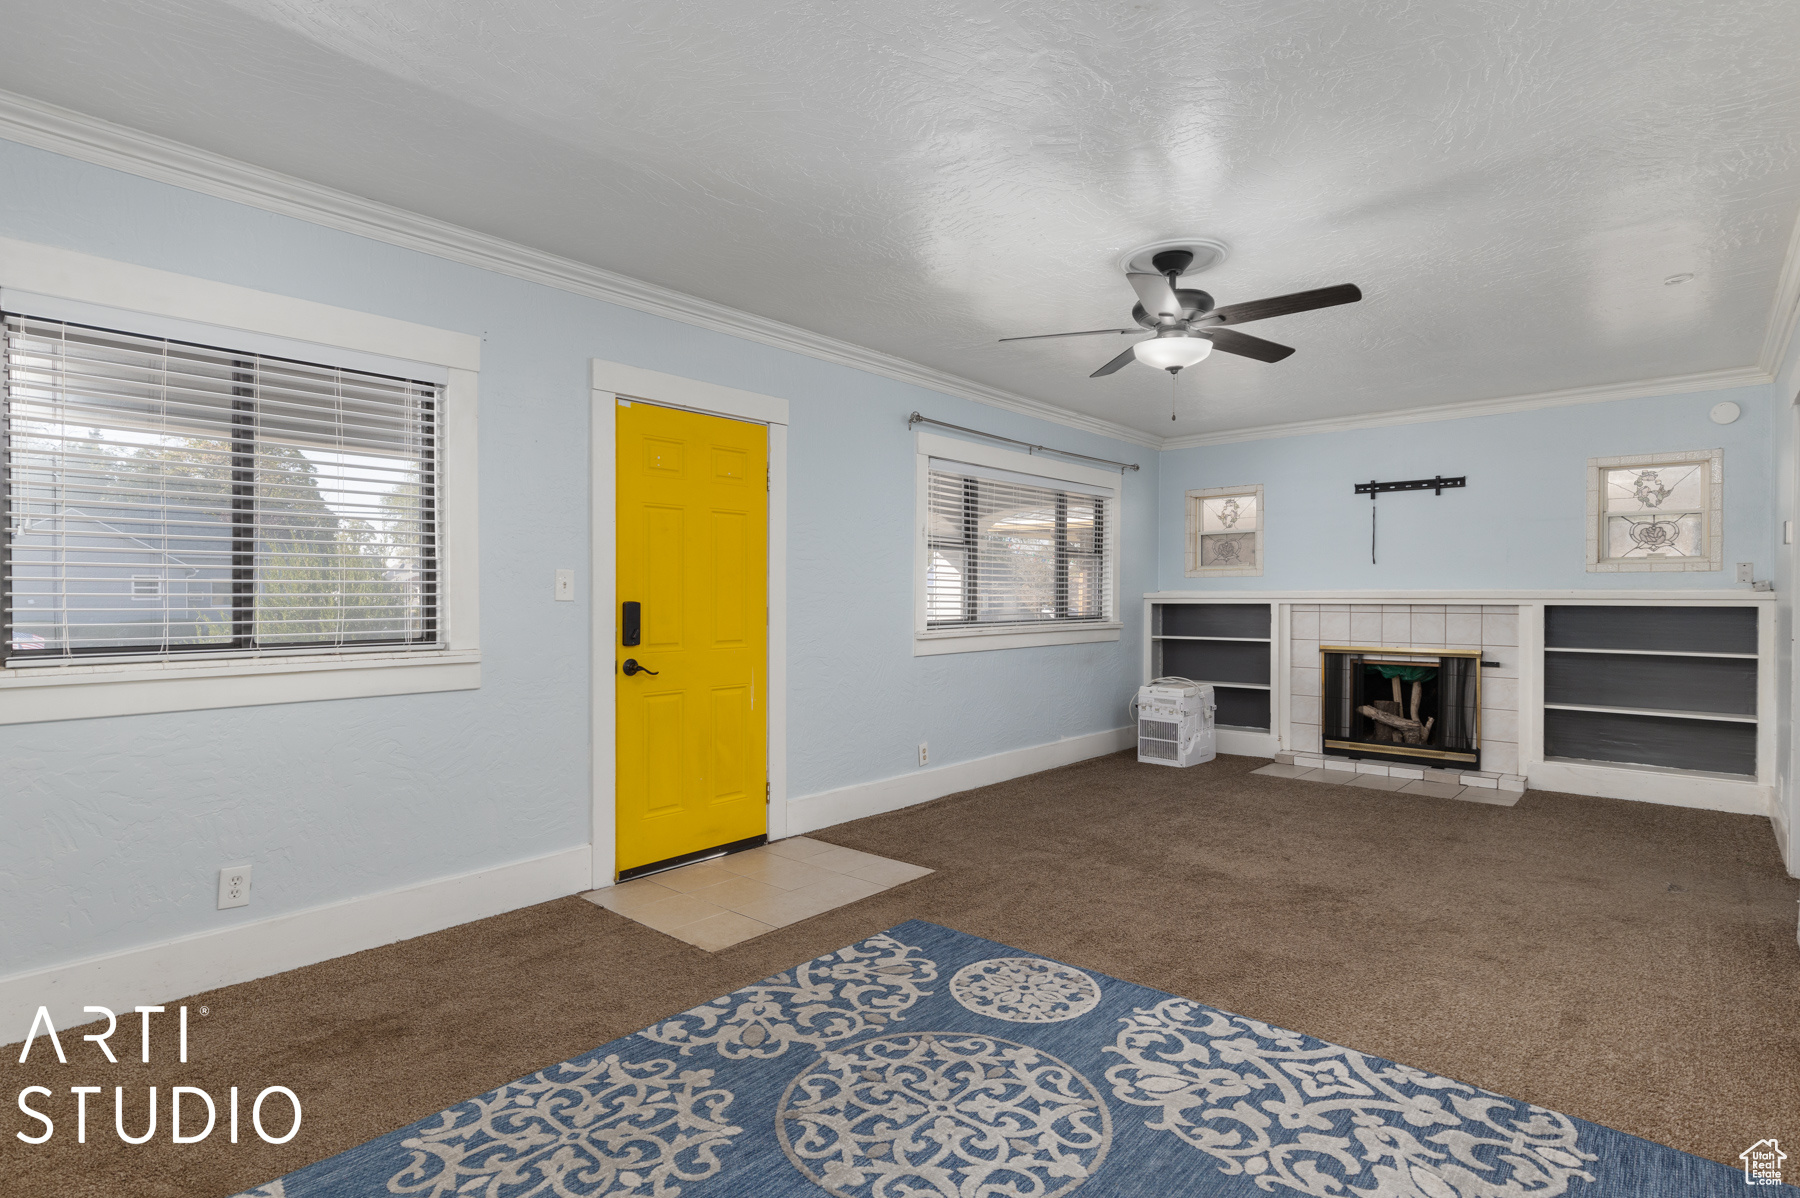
{"x":925,"y":1063}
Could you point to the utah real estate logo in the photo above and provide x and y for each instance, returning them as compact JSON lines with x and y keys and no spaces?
{"x":1762,"y":1163}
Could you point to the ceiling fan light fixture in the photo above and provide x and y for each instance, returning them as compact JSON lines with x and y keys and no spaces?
{"x":1172,"y":353}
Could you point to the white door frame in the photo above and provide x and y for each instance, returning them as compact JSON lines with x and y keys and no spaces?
{"x":612,"y":382}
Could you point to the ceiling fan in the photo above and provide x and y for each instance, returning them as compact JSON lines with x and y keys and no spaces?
{"x":1188,"y":327}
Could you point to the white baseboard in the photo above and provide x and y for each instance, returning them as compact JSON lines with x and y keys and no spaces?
{"x":1241,"y":742}
{"x":1668,"y":787}
{"x":173,"y":969}
{"x":1784,"y":835}
{"x":828,"y":807}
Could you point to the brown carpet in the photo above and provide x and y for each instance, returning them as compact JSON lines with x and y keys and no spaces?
{"x":1626,"y":963}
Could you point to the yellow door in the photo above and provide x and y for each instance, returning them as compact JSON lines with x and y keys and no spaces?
{"x":693,"y":526}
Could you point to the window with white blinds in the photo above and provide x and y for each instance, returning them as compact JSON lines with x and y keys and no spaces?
{"x":165,"y":500}
{"x":1004,"y":548}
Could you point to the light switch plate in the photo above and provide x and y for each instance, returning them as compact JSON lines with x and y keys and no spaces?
{"x":1746,"y":571}
{"x":565,"y":586}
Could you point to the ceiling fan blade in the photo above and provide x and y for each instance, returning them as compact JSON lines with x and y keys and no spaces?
{"x":1281,"y":305}
{"x":1117,"y":362}
{"x":1085,"y":333}
{"x":1243,"y":344}
{"x":1154,"y":292}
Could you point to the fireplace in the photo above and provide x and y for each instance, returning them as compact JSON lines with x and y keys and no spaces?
{"x":1403,"y":705}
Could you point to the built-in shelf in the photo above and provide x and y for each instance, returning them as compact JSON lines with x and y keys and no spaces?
{"x":1257,"y":640}
{"x":1226,"y":645}
{"x":1588,"y":661}
{"x":1653,"y":711}
{"x":1648,"y":652}
{"x":1602,"y":662}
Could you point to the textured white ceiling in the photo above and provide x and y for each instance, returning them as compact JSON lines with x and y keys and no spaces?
{"x":1508,"y":182}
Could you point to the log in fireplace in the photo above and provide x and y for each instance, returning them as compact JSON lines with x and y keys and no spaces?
{"x":1402,"y":705}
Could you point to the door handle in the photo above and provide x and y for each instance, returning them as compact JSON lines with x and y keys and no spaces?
{"x":632,"y":667}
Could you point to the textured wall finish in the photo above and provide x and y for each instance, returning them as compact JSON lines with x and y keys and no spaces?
{"x":1521,"y":523}
{"x":1510,"y":183}
{"x":1786,"y":434}
{"x":115,"y":828}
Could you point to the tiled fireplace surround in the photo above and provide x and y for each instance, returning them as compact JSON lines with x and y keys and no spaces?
{"x":1491,"y":628}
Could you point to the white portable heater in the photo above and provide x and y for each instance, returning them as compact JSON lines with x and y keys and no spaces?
{"x":1175,"y":722}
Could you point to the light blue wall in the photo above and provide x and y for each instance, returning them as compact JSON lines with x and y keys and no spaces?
{"x":1520,"y":523}
{"x":115,"y":828}
{"x":1784,"y":395}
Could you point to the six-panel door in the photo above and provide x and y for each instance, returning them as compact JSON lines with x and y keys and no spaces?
{"x":693,"y":551}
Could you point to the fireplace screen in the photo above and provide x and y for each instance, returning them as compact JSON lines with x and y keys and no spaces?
{"x":1391,"y":703}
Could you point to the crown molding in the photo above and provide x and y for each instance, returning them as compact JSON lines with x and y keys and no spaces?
{"x":1679,"y":384}
{"x":90,"y":139}
{"x":1784,"y":316}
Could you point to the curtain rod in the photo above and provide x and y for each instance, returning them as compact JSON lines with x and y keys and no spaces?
{"x":915,"y":418}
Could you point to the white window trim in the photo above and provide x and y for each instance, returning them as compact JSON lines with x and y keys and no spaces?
{"x":1714,"y":531}
{"x":927,"y":641}
{"x":1194,"y":568}
{"x":36,"y":694}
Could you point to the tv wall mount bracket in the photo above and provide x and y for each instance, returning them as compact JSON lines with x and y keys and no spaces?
{"x":1436,"y":484}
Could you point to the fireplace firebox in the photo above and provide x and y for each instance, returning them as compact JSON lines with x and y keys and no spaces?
{"x":1401,"y":705}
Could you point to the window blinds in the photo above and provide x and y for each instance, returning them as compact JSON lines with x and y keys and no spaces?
{"x":164,"y":500}
{"x":1006,"y":551}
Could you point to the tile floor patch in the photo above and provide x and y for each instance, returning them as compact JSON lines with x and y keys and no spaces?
{"x":721,"y":931}
{"x":735,"y":891}
{"x":627,"y":898}
{"x":842,"y":860}
{"x":887,"y":873}
{"x":676,"y":911}
{"x":799,"y":847}
{"x":783,"y":873}
{"x":718,"y":903}
{"x":698,"y":876}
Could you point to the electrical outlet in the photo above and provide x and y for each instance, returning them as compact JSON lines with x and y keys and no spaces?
{"x":924,"y":753}
{"x":1746,"y":571}
{"x":234,"y":886}
{"x":565,"y":586}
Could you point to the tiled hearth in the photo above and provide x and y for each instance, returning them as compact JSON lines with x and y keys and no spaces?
{"x":1499,"y":790}
{"x":1491,"y":628}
